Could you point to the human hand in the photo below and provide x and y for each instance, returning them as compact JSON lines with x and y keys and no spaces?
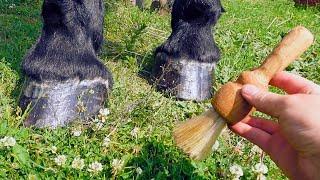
{"x":293,"y":142}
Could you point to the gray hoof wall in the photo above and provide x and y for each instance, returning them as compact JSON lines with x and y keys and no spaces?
{"x":52,"y":104}
{"x":186,"y":79}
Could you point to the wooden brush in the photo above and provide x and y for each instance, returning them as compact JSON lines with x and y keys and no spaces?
{"x":196,"y":136}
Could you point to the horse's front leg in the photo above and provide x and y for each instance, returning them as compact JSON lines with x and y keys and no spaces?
{"x":65,"y":80}
{"x":184,"y":64}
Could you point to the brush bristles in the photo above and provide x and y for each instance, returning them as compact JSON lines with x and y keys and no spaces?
{"x":197,"y":135}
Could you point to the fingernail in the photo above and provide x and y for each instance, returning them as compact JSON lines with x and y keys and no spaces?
{"x":250,"y":90}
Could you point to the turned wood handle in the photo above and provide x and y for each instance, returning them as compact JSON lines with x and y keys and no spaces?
{"x":228,"y":101}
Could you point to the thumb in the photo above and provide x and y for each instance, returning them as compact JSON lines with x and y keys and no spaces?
{"x":264,"y":101}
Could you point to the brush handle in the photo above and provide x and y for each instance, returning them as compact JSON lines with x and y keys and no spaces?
{"x":228,"y":101}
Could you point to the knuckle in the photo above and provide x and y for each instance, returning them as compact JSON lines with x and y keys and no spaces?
{"x":262,"y":97}
{"x":289,"y":101}
{"x":314,"y":90}
{"x":306,"y":89}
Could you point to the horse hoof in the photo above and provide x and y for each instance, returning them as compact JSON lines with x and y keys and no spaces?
{"x":52,"y":103}
{"x":186,"y":79}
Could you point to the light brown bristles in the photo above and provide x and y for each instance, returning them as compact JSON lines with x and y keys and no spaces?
{"x":196,"y":136}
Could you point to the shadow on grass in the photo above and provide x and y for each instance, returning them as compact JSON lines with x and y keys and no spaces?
{"x":126,"y":53}
{"x":305,"y":6}
{"x":114,"y":50}
{"x":161,"y":161}
{"x":117,"y":51}
{"x":22,"y":27}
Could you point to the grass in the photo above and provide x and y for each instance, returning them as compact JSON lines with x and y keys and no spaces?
{"x":246,"y":33}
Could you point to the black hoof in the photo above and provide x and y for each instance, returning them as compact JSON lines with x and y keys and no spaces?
{"x":185,"y":79}
{"x":52,"y":103}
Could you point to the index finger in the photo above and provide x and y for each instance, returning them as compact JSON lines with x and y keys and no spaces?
{"x":253,"y":134}
{"x":294,"y":84}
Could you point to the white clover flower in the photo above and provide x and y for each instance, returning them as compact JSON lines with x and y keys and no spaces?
{"x":8,"y":141}
{"x":11,"y":141}
{"x":95,"y":167}
{"x":117,"y":165}
{"x":15,"y":166}
{"x":261,"y":177}
{"x":236,"y":171}
{"x":54,"y":149}
{"x":215,"y":146}
{"x":96,"y":120}
{"x":77,"y":163}
{"x":98,"y":126}
{"x":32,"y":177}
{"x":76,"y":133}
{"x":91,"y":91}
{"x":139,"y":170}
{"x":104,"y":112}
{"x":135,"y":132}
{"x":60,"y":160}
{"x":106,"y":141}
{"x":12,"y":6}
{"x":260,"y":168}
